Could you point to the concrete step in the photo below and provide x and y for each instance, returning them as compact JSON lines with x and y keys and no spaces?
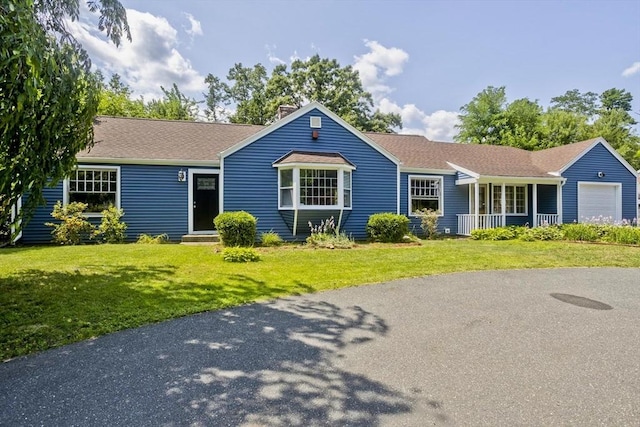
{"x":201,"y":238}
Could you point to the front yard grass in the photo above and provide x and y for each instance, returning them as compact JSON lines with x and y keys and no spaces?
{"x":50,"y":296}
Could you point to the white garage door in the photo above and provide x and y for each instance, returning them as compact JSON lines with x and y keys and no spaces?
{"x":597,"y":200}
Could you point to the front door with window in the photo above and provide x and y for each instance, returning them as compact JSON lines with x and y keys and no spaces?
{"x":205,"y":201}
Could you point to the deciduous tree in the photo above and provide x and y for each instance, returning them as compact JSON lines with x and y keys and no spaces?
{"x":48,"y":97}
{"x":257,"y":95}
{"x":115,"y":99}
{"x":173,"y":106}
{"x":572,"y":117}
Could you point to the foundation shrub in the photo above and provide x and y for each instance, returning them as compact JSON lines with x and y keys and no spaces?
{"x":387,"y":227}
{"x":236,"y":228}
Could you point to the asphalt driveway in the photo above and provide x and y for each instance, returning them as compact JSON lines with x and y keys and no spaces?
{"x":533,"y":347}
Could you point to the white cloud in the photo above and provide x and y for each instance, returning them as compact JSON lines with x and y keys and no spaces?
{"x":438,"y":126}
{"x":150,"y":60}
{"x":273,"y":59}
{"x":633,"y":69}
{"x":196,"y":27}
{"x":378,"y":64}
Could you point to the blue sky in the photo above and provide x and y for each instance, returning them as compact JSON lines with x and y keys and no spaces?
{"x":422,"y":59}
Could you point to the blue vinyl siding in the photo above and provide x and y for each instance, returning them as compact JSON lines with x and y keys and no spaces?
{"x":35,"y":231}
{"x":251,"y":181}
{"x":456,"y":201}
{"x":153,"y":199}
{"x":586,"y":170}
{"x":547,"y":199}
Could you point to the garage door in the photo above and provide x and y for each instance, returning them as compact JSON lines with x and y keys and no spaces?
{"x":597,"y":200}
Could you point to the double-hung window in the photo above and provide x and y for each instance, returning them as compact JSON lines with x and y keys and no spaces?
{"x":425,"y":193}
{"x":97,"y":186}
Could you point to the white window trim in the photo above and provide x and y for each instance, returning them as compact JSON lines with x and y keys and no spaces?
{"x":526,"y":199}
{"x":440,"y":198}
{"x":296,"y":186}
{"x":65,"y":186}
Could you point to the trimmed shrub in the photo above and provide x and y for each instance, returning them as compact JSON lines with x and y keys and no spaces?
{"x":73,"y":227}
{"x":387,"y":227}
{"x":236,"y":228}
{"x":111,"y":229}
{"x":146,"y":239}
{"x":238,"y":254}
{"x":271,"y":238}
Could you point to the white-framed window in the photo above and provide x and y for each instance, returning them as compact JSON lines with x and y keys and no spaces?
{"x":515,"y":199}
{"x":346,"y":184}
{"x":318,"y":187}
{"x":425,"y":192}
{"x":303,"y":187}
{"x":97,"y":186}
{"x":286,"y":188}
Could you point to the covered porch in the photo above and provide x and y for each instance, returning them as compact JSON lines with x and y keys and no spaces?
{"x":503,"y":201}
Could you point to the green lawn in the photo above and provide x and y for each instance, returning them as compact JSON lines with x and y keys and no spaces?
{"x":50,"y":296}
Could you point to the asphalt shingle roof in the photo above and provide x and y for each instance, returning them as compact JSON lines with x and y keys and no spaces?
{"x":150,"y":139}
{"x":308,"y":157}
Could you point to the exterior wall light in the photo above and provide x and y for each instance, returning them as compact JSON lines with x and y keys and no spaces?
{"x":182,"y":176}
{"x":601,"y":174}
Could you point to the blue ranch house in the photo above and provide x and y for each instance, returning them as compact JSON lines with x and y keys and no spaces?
{"x":174,"y":177}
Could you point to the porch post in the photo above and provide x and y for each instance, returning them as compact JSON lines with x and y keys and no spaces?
{"x":503,"y":205}
{"x":477,"y":205}
{"x":535,"y":205}
{"x":559,"y":203}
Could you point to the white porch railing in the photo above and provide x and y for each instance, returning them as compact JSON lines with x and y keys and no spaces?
{"x":467,"y":222}
{"x":546,"y":219}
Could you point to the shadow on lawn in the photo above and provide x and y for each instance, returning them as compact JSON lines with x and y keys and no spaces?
{"x":276,"y":364}
{"x":41,"y":309}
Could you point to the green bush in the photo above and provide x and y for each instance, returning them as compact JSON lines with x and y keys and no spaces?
{"x":271,"y":238}
{"x":73,"y":227}
{"x":387,"y":227}
{"x":238,"y":254}
{"x":331,"y":240}
{"x":146,"y":239}
{"x":542,"y":233}
{"x":111,"y":229}
{"x":236,"y":228}
{"x":625,"y":235}
{"x":500,"y":233}
{"x":583,"y":232}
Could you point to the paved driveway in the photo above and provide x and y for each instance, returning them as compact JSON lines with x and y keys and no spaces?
{"x":489,"y":348}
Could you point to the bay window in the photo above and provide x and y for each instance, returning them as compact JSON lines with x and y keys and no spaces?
{"x":303,"y":187}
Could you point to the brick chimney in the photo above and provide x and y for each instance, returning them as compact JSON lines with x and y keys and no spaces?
{"x":285,"y":110}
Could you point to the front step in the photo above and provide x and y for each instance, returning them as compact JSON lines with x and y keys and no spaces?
{"x":201,"y":238}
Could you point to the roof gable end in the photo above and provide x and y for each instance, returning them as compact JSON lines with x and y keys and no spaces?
{"x":296,"y":115}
